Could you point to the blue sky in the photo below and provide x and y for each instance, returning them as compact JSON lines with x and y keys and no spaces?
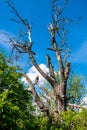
{"x":38,"y":12}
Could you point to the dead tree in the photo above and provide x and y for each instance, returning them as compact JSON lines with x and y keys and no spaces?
{"x":58,"y":46}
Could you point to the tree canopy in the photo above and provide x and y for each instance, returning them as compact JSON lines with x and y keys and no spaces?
{"x":16,"y":109}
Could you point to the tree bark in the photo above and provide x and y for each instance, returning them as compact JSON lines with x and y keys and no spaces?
{"x":60,"y":97}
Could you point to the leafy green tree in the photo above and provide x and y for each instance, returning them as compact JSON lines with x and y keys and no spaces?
{"x":74,"y":120}
{"x":68,"y":120}
{"x":75,"y":89}
{"x":16,"y":110}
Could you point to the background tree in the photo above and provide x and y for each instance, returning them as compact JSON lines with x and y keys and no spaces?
{"x":76,"y":89}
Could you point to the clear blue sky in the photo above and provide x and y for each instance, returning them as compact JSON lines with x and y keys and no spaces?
{"x":38,"y":12}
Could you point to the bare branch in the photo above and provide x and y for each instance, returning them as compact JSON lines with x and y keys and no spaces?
{"x":36,"y":80}
{"x":43,"y":88}
{"x":67,"y":70}
{"x":14,"y":20}
{"x":49,"y":94}
{"x":50,"y":49}
{"x":59,"y":58}
{"x":66,"y":54}
{"x":52,"y":75}
{"x":39,"y":69}
{"x":56,"y":12}
{"x":47,"y":101}
{"x":74,"y":105}
{"x":35,"y":95}
{"x":23,"y":21}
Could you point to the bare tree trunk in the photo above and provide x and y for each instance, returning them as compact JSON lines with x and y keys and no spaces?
{"x":60,"y":97}
{"x":56,"y":29}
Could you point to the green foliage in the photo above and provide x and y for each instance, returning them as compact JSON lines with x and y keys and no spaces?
{"x":68,"y":120}
{"x":16,"y":110}
{"x":49,"y":123}
{"x":8,"y":74}
{"x":75,"y":121}
{"x":75,"y":89}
